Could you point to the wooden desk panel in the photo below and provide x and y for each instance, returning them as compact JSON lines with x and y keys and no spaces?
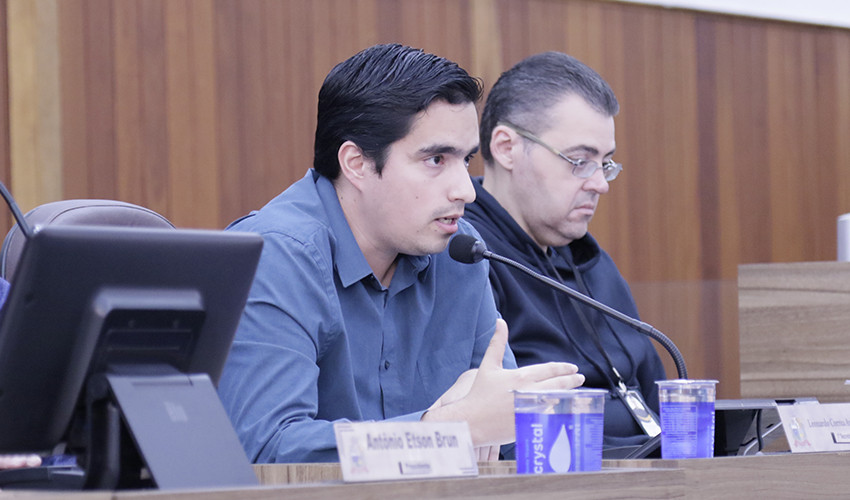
{"x":792,"y":476}
{"x":794,"y":323}
{"x":803,"y":475}
{"x":57,"y":495}
{"x":636,"y":483}
{"x":269,"y":474}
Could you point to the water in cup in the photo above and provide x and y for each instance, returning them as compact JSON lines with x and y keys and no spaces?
{"x":559,"y":431}
{"x":687,"y":418}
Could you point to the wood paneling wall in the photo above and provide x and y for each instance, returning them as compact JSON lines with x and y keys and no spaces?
{"x":732,"y":130}
{"x":4,"y":111}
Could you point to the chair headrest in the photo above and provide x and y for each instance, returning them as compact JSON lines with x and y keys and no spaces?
{"x":76,"y":212}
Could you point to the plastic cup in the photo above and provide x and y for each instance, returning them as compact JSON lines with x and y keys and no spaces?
{"x":844,"y":238}
{"x":559,"y":431}
{"x":687,"y":418}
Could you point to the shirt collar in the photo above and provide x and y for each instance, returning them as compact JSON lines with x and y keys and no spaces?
{"x":349,"y":261}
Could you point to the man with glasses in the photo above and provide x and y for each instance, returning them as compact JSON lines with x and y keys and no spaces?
{"x":547,"y":139}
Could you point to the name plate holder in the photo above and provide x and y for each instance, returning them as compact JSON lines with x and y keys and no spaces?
{"x":391,"y":451}
{"x":816,"y":427}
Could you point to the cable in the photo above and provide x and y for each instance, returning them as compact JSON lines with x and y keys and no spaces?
{"x":19,"y":217}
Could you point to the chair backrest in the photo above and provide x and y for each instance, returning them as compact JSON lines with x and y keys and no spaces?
{"x":76,"y":212}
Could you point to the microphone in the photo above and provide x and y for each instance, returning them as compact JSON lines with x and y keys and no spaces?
{"x":469,"y":250}
{"x":19,"y":218}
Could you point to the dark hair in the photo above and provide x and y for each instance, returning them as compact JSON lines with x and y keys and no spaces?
{"x":524,"y":93}
{"x":372,"y":97}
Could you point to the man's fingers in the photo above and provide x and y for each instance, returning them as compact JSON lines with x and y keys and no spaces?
{"x":543,"y":371}
{"x":558,"y":383}
{"x":496,"y":350}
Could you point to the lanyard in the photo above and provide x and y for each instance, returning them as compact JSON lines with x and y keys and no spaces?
{"x":633,"y":400}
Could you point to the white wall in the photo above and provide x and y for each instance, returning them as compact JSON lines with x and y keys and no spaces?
{"x":826,"y":12}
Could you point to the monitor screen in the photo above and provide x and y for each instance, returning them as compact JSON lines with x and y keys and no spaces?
{"x":85,"y":298}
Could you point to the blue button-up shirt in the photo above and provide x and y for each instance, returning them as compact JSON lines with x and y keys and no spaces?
{"x":321,"y":340}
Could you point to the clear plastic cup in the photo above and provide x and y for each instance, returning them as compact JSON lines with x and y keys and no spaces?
{"x":687,"y":418}
{"x":559,"y":431}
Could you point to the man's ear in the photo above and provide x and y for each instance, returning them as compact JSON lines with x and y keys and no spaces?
{"x":505,"y":144}
{"x":353,"y":164}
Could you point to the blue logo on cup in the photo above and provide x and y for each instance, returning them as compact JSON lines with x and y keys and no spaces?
{"x":558,"y":442}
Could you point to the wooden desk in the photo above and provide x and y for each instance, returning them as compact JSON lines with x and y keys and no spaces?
{"x":635,"y":483}
{"x":805,"y":475}
{"x":47,"y":495}
{"x":330,"y":472}
{"x":799,"y":475}
{"x":794,"y":323}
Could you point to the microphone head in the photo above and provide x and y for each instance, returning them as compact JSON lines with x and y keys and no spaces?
{"x":467,"y":249}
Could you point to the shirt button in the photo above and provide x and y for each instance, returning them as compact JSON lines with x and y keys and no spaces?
{"x":386,"y":365}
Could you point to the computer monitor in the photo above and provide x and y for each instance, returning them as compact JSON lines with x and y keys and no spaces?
{"x":94,"y":308}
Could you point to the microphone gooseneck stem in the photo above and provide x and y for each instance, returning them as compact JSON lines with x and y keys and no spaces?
{"x":638,"y":325}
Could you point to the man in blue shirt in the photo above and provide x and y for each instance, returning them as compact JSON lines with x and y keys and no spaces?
{"x":357,"y":312}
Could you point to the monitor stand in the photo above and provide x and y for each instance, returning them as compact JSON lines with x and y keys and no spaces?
{"x":177,"y":425}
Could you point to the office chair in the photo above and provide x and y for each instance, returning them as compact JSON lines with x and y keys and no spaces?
{"x":76,"y":212}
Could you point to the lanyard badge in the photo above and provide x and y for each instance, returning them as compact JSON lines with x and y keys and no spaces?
{"x":645,"y":417}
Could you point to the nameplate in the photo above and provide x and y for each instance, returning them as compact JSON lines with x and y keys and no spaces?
{"x":816,"y":427}
{"x":383,"y":451}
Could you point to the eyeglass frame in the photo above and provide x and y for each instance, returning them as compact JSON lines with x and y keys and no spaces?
{"x":607,"y":166}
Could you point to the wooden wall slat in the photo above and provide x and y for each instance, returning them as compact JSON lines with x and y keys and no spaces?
{"x":300,"y":82}
{"x":130,"y":113}
{"x":191,"y":107}
{"x":783,"y":61}
{"x":732,"y":130}
{"x":611,"y":221}
{"x":228,"y":93}
{"x":677,"y":167}
{"x":100,"y":86}
{"x":7,"y":221}
{"x":154,"y":177}
{"x":486,"y":48}
{"x":33,"y":89}
{"x":74,"y":105}
{"x":841,"y":102}
{"x":253,"y":165}
{"x":707,"y":153}
{"x":825,"y":169}
{"x":276,"y":103}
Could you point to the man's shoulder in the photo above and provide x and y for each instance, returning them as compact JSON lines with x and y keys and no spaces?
{"x":297,"y":213}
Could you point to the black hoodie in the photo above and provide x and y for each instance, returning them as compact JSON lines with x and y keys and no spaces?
{"x":545,"y":326}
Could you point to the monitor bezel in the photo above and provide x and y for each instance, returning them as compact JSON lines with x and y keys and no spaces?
{"x":45,"y":350}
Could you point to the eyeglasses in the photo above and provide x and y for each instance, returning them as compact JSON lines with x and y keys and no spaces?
{"x":582,"y":169}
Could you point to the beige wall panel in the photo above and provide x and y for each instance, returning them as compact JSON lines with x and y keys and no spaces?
{"x":732,"y":130}
{"x":35,"y":148}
